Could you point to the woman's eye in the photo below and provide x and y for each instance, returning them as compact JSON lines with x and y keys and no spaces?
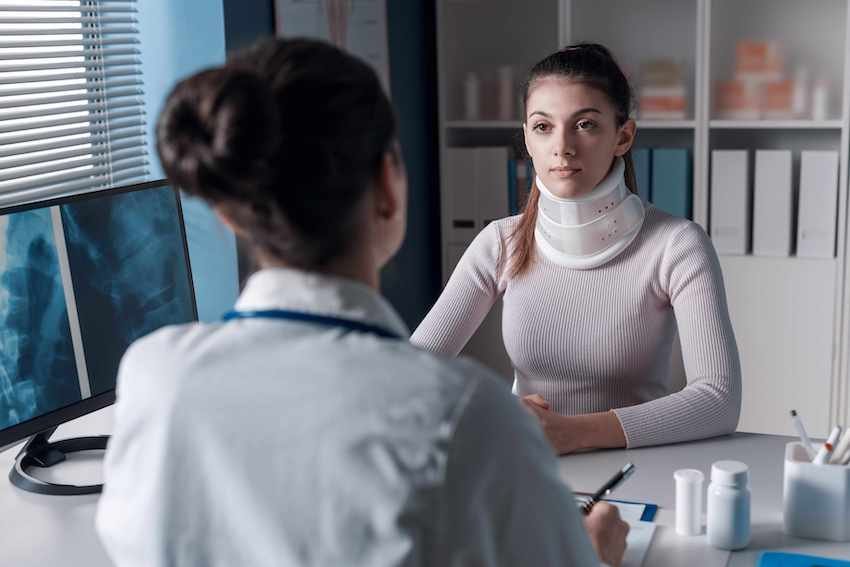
{"x":585,"y":124}
{"x":541,"y":127}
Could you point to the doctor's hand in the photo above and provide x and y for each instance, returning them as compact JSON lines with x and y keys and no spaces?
{"x":607,"y":533}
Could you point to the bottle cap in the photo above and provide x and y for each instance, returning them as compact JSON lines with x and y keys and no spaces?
{"x":730,"y":473}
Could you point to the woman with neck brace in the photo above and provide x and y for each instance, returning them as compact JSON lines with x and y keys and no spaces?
{"x":595,"y":282}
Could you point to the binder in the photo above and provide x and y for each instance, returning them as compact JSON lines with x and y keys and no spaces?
{"x":460,"y":189}
{"x":772,"y":203}
{"x":730,"y":201}
{"x":818,"y":204}
{"x":641,"y":158}
{"x":671,"y":181}
{"x":491,"y":185}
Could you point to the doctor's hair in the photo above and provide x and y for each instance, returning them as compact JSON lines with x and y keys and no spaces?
{"x":591,"y":64}
{"x":285,"y":139}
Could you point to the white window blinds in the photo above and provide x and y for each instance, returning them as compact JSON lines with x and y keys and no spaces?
{"x":71,"y":101}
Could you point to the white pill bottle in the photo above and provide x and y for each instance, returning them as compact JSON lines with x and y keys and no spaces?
{"x":728,"y":510}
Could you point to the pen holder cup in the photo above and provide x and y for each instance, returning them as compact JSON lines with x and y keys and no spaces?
{"x":816,"y":498}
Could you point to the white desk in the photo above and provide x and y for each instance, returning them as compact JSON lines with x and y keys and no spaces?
{"x":58,"y":530}
{"x":653,"y":482}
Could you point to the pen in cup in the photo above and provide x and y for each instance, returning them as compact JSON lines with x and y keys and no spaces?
{"x":608,"y":487}
{"x":804,"y":437}
{"x":826,"y":449}
{"x":841,"y":449}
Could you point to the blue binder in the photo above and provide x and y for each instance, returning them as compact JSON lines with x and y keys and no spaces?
{"x":779,"y":559}
{"x":671,"y":181}
{"x":641,"y":158}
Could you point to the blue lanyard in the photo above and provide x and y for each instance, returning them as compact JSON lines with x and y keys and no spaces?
{"x":327,"y":321}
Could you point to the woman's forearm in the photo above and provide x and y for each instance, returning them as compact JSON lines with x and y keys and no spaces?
{"x":590,"y":431}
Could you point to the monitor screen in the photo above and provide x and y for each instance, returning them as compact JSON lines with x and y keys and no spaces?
{"x":80,"y":279}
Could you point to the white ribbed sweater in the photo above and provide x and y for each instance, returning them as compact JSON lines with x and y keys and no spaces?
{"x":601,"y":339}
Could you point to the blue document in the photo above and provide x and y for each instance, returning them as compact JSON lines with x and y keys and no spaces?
{"x":779,"y":559}
{"x":641,"y":159}
{"x":671,"y":181}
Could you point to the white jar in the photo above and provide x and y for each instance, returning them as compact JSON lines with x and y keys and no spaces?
{"x":728,"y":521}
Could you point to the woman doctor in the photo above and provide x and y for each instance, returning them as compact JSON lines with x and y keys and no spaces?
{"x":594,"y":281}
{"x":304,"y":429}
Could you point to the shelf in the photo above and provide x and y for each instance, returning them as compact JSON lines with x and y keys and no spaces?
{"x":776,"y":124}
{"x":484,"y":124}
{"x":666,"y":124}
{"x":754,"y":261}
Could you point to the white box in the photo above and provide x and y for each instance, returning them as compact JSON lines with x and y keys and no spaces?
{"x":491,"y":185}
{"x":730,"y":202}
{"x":815,"y":498}
{"x":461,"y":225}
{"x":772,"y":203}
{"x":818,"y":204}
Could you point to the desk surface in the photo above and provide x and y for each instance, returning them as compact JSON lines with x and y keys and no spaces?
{"x":56,"y":530}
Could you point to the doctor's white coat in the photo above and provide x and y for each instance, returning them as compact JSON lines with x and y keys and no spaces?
{"x":267,"y":442}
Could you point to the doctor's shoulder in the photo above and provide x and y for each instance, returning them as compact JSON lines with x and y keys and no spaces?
{"x":162,"y":355}
{"x":484,"y":396}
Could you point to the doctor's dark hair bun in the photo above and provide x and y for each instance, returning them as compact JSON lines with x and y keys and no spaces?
{"x":285,"y":139}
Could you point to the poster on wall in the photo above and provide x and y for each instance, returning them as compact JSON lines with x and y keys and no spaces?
{"x":359,"y":26}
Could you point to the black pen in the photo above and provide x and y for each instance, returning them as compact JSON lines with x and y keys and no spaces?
{"x":608,"y":487}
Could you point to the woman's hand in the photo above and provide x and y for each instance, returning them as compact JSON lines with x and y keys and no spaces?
{"x":556,"y":427}
{"x":570,"y":433}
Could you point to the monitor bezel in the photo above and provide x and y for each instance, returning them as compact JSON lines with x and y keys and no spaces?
{"x":21,"y":431}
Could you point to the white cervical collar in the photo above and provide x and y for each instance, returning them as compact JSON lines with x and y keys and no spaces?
{"x":587,"y":232}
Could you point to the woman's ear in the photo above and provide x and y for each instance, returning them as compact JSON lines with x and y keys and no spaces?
{"x":625,"y":137}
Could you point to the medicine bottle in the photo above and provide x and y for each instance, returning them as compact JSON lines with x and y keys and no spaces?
{"x":728,"y":513}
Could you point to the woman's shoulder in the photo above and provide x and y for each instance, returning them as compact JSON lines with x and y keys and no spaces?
{"x":666,"y":230}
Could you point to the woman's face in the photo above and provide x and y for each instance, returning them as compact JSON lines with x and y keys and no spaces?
{"x":572,"y":136}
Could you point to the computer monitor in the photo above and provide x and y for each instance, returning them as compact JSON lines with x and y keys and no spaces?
{"x":81,"y":278}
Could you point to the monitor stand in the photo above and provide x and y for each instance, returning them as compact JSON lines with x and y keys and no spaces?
{"x":39,"y":452}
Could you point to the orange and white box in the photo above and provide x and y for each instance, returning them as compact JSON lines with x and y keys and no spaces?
{"x":777,"y":99}
{"x":662,"y":103}
{"x":736,"y":100}
{"x":758,"y":60}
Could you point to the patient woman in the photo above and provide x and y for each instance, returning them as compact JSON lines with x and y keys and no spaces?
{"x":304,"y":428}
{"x":594,"y":281}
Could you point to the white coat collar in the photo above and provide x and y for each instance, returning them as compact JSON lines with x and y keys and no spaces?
{"x":311,"y":292}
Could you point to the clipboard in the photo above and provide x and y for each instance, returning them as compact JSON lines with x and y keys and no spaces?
{"x":638,"y":511}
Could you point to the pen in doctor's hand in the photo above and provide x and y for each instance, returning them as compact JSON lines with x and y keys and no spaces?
{"x":609,"y":486}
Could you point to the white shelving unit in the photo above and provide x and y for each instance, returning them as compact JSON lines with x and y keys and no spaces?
{"x":791,"y":315}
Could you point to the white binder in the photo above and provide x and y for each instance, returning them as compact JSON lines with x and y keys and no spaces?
{"x":772,"y":203}
{"x":818,"y":204}
{"x":730,"y":201}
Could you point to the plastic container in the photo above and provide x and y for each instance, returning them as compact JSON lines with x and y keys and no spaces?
{"x":816,"y":498}
{"x":688,"y":501}
{"x":728,"y":518}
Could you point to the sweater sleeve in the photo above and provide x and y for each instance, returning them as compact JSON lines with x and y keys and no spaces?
{"x":710,"y":404}
{"x":472,"y":290}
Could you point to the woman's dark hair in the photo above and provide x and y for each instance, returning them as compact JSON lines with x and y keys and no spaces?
{"x":593,"y":65}
{"x":285,"y":139}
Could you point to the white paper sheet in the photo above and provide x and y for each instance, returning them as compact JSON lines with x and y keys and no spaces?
{"x":640,"y":533}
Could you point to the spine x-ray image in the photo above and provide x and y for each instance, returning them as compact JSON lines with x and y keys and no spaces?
{"x":79,"y":282}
